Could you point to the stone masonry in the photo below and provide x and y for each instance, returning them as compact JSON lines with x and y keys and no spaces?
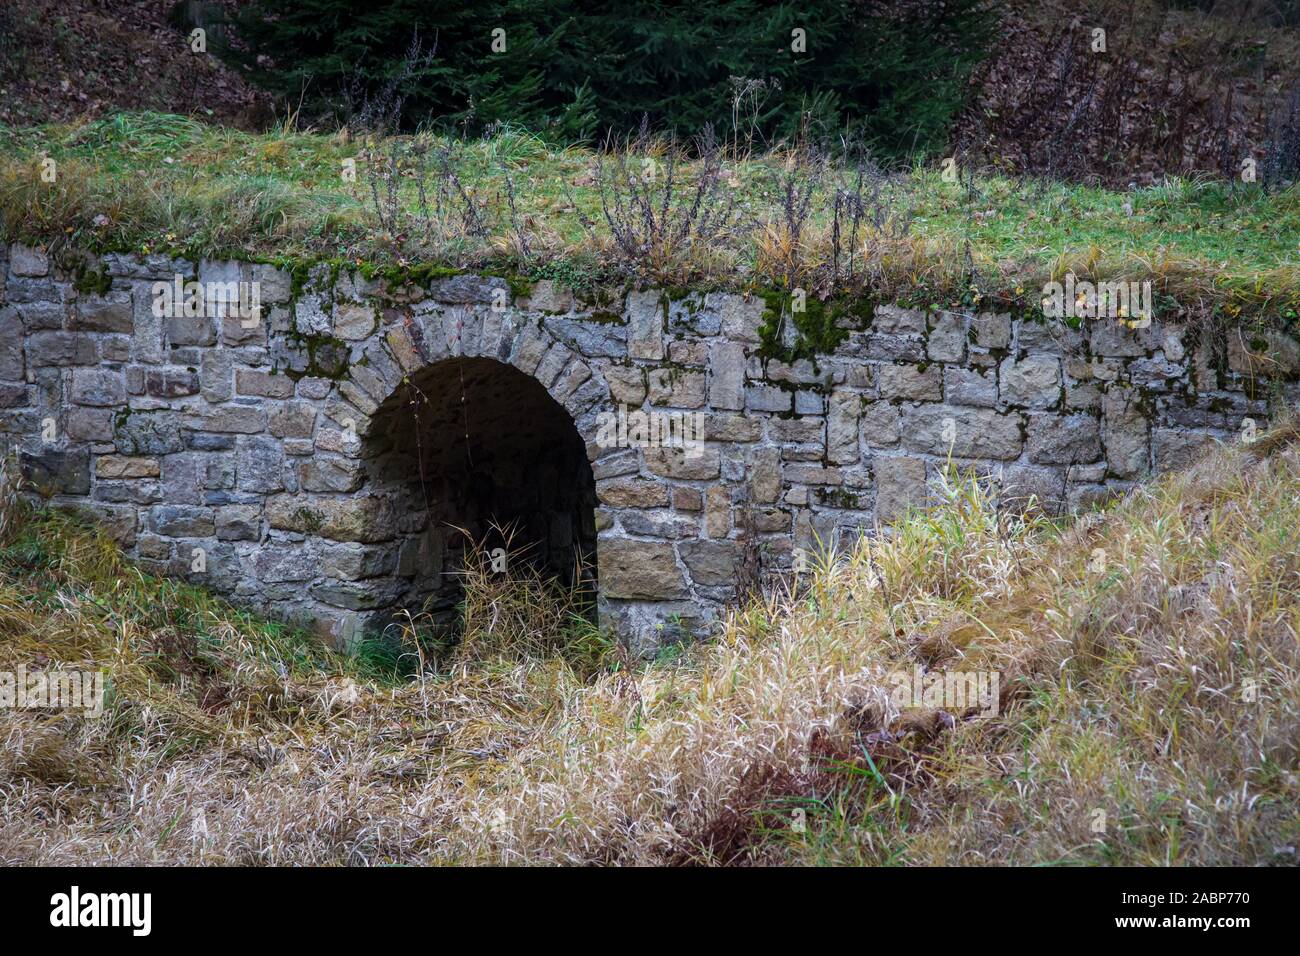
{"x":251,"y":459}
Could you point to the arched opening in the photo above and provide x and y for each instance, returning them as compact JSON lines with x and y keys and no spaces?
{"x":478,"y":455}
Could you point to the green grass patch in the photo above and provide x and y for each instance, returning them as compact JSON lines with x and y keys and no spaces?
{"x":154,"y":183}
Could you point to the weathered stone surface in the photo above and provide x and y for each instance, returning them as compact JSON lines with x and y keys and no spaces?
{"x":947,"y":341}
{"x":216,"y":375}
{"x":1030,"y":382}
{"x":148,"y":433}
{"x":768,"y":398}
{"x":900,"y":484}
{"x":732,"y":428}
{"x":892,"y":320}
{"x":592,"y":339}
{"x":742,"y":316}
{"x":968,"y":432}
{"x":880,"y":425}
{"x":181,"y":521}
{"x":1054,"y":440}
{"x":241,"y":419}
{"x":58,"y":471}
{"x":90,"y":424}
{"x":639,"y":570}
{"x":110,"y":313}
{"x":963,"y":386}
{"x":170,"y":382}
{"x":710,"y":563}
{"x":1174,"y":449}
{"x":765,"y":475}
{"x":627,"y":384}
{"x":354,"y":322}
{"x":238,"y":523}
{"x":727,"y":375}
{"x":253,"y":382}
{"x":259,"y":465}
{"x":14,"y":396}
{"x":101,"y":387}
{"x":11,"y":345}
{"x":1115,"y":338}
{"x":26,"y":261}
{"x":292,"y":420}
{"x":549,"y":296}
{"x":991,"y":330}
{"x":659,"y":524}
{"x":632,"y":493}
{"x":469,"y":290}
{"x":368,"y":520}
{"x":353,"y":562}
{"x":810,"y":473}
{"x":1124,"y":432}
{"x":910,"y":382}
{"x":119,"y":466}
{"x":699,"y":464}
{"x":1047,"y":336}
{"x":331,"y":474}
{"x":1027,"y":487}
{"x":45,"y":349}
{"x":645,"y":325}
{"x":675,"y":388}
{"x":842,"y":427}
{"x":717,"y":512}
{"x":1265,"y":354}
{"x":190,"y":330}
{"x":284,"y":562}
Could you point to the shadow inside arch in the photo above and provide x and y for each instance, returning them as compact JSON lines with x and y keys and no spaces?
{"x":483,"y":467}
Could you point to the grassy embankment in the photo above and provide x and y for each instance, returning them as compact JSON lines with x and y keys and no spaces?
{"x":160,"y":183}
{"x":1150,"y":711}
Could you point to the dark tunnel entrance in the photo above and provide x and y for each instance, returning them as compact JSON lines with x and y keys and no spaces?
{"x":478,"y":455}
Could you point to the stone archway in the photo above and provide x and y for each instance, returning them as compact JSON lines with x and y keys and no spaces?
{"x":475,"y":454}
{"x":424,"y":380}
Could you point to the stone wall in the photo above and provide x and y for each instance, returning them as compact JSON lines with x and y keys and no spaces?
{"x":311,"y":463}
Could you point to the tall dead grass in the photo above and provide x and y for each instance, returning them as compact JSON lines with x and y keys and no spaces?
{"x":1150,"y":709}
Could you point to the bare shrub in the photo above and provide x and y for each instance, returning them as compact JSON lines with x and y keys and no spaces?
{"x":665,"y":213}
{"x":1169,"y":94}
{"x":785,"y":248}
{"x":417,"y":195}
{"x":379,"y":112}
{"x":871,"y":215}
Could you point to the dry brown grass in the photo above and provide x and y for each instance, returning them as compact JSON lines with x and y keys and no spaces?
{"x":1124,"y":690}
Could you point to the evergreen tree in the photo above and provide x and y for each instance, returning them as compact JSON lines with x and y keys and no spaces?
{"x":889,"y":74}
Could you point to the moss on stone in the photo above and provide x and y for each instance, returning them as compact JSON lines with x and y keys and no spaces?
{"x":309,"y":519}
{"x":818,"y":327}
{"x":841,"y":498}
{"x":327,"y":356}
{"x":90,"y":282}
